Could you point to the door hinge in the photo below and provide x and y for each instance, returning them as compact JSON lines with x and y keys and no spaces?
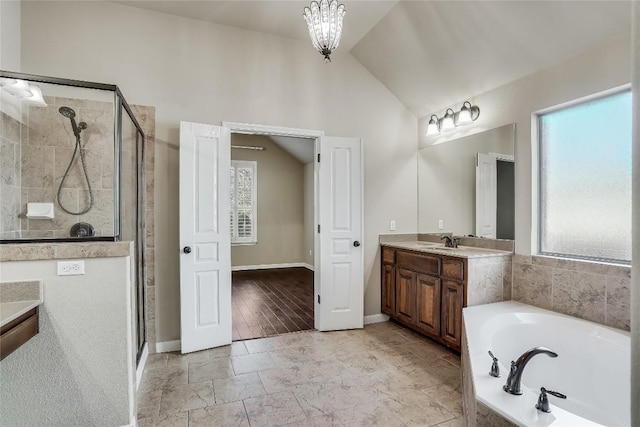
{"x":318,"y":298}
{"x":318,"y":157}
{"x":318,"y":228}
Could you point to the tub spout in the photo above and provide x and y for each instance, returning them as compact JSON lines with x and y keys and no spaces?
{"x":517,"y":368}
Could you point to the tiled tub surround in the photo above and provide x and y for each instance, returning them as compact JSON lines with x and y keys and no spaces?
{"x":9,"y":176}
{"x":592,"y":291}
{"x":47,"y":144}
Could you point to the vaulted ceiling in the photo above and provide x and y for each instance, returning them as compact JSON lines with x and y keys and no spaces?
{"x":432,"y":53}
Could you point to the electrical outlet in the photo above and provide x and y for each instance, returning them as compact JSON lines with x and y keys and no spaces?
{"x":392,"y":225}
{"x":440,"y":224}
{"x":70,"y":268}
{"x":310,"y":253}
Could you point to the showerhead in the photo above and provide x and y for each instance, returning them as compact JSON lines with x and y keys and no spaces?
{"x":67,"y":112}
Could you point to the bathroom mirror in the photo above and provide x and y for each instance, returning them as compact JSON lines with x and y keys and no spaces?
{"x":466,"y":185}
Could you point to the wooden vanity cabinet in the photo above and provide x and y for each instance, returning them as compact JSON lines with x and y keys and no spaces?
{"x":425,"y":292}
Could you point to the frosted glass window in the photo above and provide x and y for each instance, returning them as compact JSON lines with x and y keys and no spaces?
{"x":585,"y":179}
{"x":244,"y":203}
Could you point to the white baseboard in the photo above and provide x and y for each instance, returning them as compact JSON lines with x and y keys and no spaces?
{"x":308,"y":266}
{"x":141,"y":365}
{"x":375,"y":318}
{"x":167,"y":346}
{"x":270,"y":266}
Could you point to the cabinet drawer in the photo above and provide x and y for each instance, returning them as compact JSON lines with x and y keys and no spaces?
{"x":422,"y":263}
{"x":18,"y":335}
{"x":453,"y":269}
{"x":388,"y":255}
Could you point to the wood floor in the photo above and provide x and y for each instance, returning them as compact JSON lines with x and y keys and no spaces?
{"x":271,"y":302}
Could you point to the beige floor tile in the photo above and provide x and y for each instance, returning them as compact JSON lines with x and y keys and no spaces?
{"x":235,"y":349}
{"x":264,"y":344}
{"x":180,"y":419}
{"x":328,"y":420}
{"x":274,"y":409}
{"x":449,"y":396}
{"x":414,"y":410}
{"x":456,"y":422}
{"x":229,"y":415}
{"x":421,"y":376}
{"x":326,"y":399}
{"x":156,"y":360}
{"x":452,"y":358}
{"x":164,"y":377}
{"x":443,"y":370}
{"x":372,"y":414}
{"x":186,"y":397}
{"x":149,"y":404}
{"x":252,"y":363}
{"x":210,"y":370}
{"x":238,"y":388}
{"x":184,"y":359}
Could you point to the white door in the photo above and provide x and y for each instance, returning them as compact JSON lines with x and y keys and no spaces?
{"x":486,"y":195}
{"x":205,"y":249}
{"x":340,"y":301}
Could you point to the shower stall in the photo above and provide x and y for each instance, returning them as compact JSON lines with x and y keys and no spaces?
{"x":71,"y":167}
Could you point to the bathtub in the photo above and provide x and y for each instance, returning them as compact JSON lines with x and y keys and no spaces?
{"x":592,"y":367}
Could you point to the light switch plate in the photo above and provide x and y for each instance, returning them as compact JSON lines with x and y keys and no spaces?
{"x":440,"y":224}
{"x":70,"y":268}
{"x":392,"y":225}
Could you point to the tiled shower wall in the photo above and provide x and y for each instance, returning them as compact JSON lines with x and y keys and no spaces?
{"x":9,"y":177}
{"x":593,"y":291}
{"x":47,"y":146}
{"x":34,"y":155}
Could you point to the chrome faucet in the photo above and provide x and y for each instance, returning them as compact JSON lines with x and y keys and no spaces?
{"x":517,"y":368}
{"x":449,"y":241}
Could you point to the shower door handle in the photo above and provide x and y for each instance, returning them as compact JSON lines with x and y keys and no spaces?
{"x":187,"y":249}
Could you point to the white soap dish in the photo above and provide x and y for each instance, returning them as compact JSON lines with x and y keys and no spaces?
{"x":40,"y":210}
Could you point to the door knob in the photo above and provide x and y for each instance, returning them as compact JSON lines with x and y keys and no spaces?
{"x":356,"y":243}
{"x":187,"y":249}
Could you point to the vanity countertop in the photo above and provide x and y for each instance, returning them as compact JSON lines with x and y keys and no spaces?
{"x":10,"y":311}
{"x":440,"y":249}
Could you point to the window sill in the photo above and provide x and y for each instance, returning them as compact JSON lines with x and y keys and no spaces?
{"x":612,"y":263}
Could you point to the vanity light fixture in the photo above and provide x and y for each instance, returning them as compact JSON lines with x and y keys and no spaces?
{"x":324,"y":21}
{"x":468,"y":113}
{"x":433,"y":128}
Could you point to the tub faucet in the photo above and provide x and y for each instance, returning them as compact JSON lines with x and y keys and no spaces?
{"x":517,"y":368}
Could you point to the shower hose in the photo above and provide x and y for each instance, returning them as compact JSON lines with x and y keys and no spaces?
{"x":77,"y":149}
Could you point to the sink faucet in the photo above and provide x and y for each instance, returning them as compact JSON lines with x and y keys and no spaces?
{"x":449,"y":241}
{"x":517,"y":368}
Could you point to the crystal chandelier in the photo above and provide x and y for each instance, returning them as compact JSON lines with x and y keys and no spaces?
{"x":325,"y":25}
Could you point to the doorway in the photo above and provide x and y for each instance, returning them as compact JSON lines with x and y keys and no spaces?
{"x":205,"y":230}
{"x":272,"y":235}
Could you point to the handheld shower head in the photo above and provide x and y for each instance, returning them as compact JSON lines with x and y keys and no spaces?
{"x":67,"y":112}
{"x":71,"y":115}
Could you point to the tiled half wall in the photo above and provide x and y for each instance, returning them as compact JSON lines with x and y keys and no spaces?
{"x":589,"y":290}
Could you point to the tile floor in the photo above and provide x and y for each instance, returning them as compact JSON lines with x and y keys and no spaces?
{"x":383,"y":375}
{"x":271,"y":302}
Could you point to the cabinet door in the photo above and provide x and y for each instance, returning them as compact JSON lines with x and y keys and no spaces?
{"x":405,"y":295}
{"x":452,"y":300}
{"x":388,"y":289}
{"x":428,"y":304}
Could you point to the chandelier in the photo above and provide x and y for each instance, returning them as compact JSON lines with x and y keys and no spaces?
{"x":324,"y":20}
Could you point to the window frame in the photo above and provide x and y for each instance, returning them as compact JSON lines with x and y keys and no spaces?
{"x":233,"y":210}
{"x":537,"y":153}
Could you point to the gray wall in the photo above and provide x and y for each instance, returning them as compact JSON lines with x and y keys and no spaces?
{"x":79,"y":370}
{"x":280,"y":221}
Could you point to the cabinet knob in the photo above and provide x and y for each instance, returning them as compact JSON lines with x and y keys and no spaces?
{"x":356,"y":243}
{"x":187,"y":249}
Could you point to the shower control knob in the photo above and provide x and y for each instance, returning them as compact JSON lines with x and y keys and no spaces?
{"x":187,"y":249}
